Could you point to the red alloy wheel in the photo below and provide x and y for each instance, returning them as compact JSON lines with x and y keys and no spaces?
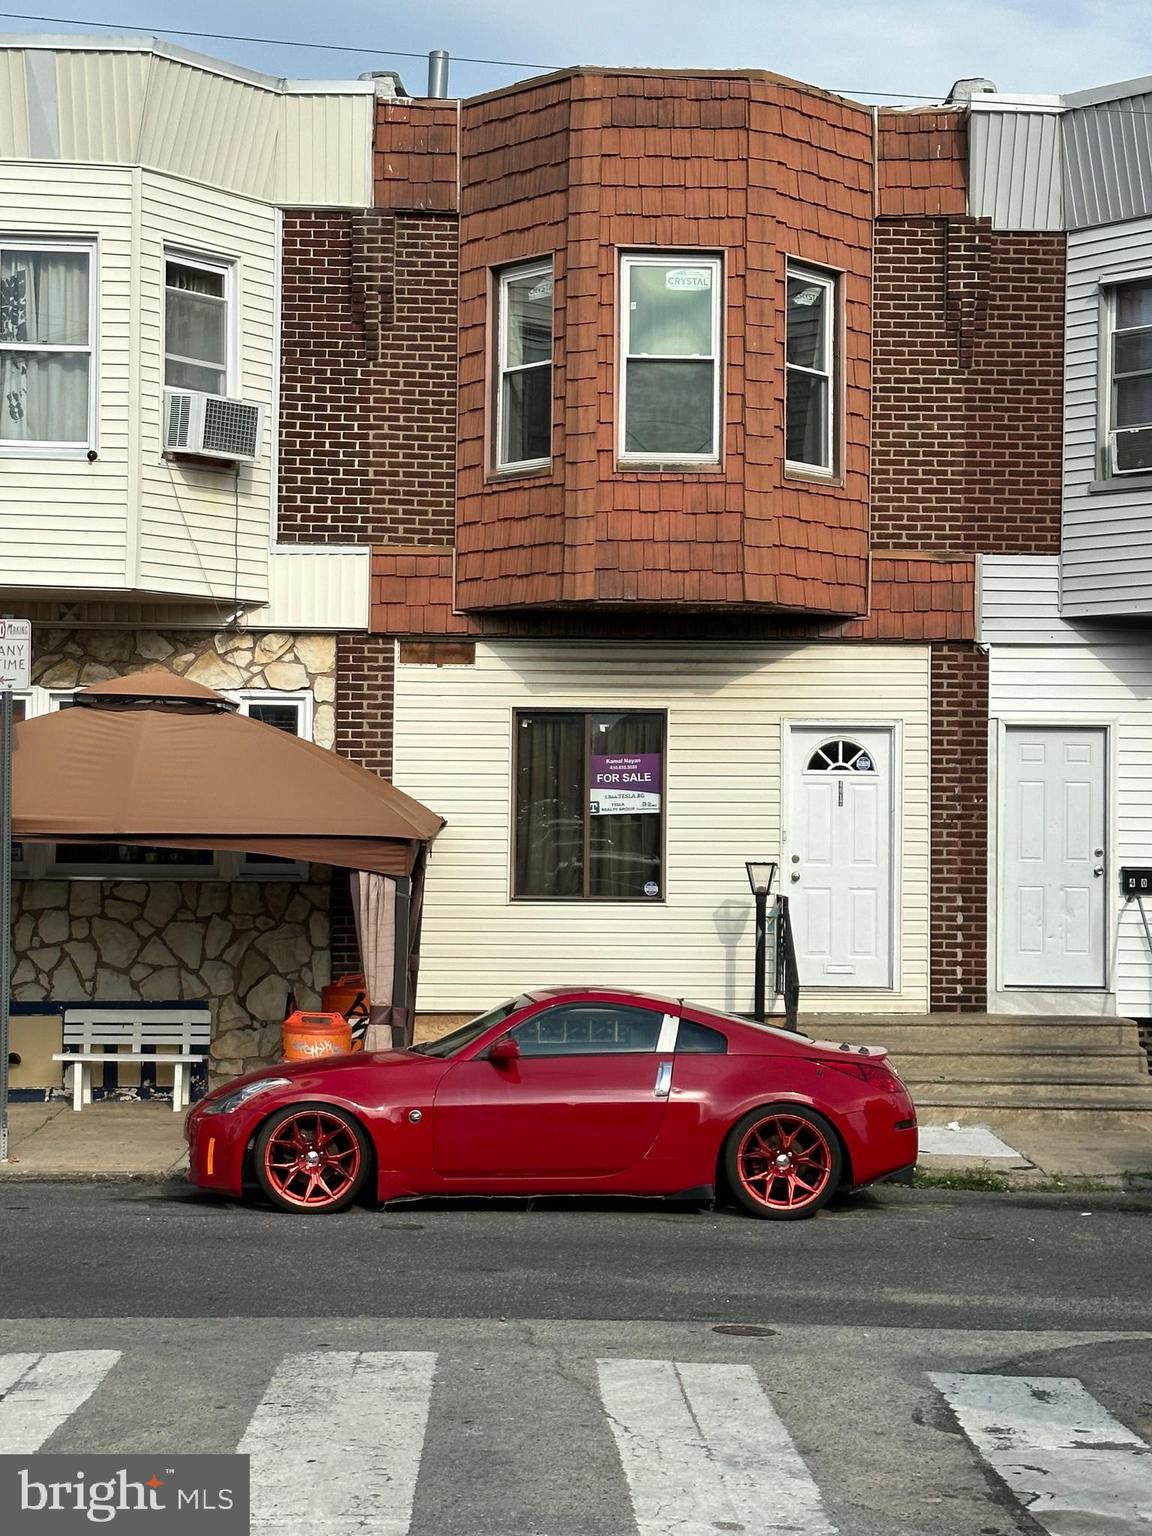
{"x":785,"y":1164}
{"x":311,"y":1160}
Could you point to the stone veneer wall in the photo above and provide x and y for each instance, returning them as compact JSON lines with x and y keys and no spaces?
{"x":67,"y":658}
{"x":237,"y":944}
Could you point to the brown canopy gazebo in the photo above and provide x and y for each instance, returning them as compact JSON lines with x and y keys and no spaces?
{"x":158,"y":760}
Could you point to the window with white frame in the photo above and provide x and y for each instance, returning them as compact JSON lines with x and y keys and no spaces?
{"x":810,"y":385}
{"x":670,"y":334}
{"x":1129,"y":424}
{"x":524,"y":386}
{"x":197,"y":323}
{"x":47,"y":330}
{"x":291,"y":712}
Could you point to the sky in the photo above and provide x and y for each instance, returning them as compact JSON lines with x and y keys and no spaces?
{"x":868,"y":49}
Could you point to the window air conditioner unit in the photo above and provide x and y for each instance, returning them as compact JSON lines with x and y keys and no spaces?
{"x":1132,"y":451}
{"x":212,"y":426}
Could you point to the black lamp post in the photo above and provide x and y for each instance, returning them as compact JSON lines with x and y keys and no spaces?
{"x":761,"y":873}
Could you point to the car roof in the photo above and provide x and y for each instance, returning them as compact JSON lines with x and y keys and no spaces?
{"x":538,"y":994}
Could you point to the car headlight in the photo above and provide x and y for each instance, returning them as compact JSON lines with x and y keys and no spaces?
{"x":232,"y":1101}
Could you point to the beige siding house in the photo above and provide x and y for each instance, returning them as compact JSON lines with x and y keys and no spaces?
{"x":740,"y":730}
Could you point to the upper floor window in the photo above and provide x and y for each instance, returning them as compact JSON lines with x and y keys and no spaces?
{"x":670,"y":358}
{"x":810,"y":399}
{"x":1130,"y":399}
{"x":46,"y":334}
{"x":197,"y":325}
{"x":524,"y":392}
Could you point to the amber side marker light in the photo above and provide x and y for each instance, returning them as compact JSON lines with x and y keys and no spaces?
{"x":211,"y":1160}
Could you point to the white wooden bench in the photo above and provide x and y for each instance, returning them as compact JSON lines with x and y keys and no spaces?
{"x":173,"y":1037}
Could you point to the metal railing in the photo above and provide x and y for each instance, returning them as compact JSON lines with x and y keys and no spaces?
{"x":787,"y":972}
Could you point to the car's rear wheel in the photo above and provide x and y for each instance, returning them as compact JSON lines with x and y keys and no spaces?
{"x":311,"y":1157}
{"x":783,"y":1162}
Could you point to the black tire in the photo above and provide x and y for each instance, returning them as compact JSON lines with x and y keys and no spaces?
{"x":816,"y":1159}
{"x":343,"y":1159}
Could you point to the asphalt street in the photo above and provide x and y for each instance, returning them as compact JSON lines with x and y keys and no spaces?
{"x":965,"y":1364}
{"x":888,"y":1258}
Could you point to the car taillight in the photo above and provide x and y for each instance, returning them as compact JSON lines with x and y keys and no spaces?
{"x":876,"y":1074}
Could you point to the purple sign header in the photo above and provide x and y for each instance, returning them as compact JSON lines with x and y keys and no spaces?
{"x":623,"y":785}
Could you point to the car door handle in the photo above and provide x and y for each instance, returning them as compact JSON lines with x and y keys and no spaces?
{"x":663,"y":1079}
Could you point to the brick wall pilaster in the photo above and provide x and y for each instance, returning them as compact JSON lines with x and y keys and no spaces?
{"x":365,"y":686}
{"x":959,"y":759}
{"x":368,"y":379}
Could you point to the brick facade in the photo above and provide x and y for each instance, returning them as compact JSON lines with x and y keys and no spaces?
{"x":368,"y":391}
{"x":969,"y":368}
{"x":581,"y":167}
{"x":966,"y":459}
{"x":959,"y":765}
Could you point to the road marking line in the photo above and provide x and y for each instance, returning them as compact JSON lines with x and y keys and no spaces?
{"x":336,"y":1443}
{"x":39,"y":1392}
{"x":1069,"y":1462}
{"x":704,"y":1451}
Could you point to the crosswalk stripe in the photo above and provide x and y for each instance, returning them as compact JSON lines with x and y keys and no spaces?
{"x":704,"y":1450}
{"x":336,"y":1443}
{"x":1069,"y":1462}
{"x":39,"y":1392}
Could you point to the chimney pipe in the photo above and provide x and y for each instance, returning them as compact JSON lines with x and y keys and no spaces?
{"x":438,"y":74}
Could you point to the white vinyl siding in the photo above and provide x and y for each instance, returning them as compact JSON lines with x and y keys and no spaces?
{"x":1019,"y":604}
{"x":1106,"y":557}
{"x":131,"y":520}
{"x":205,"y":530}
{"x":64,"y":522}
{"x":292,"y":143}
{"x":1107,"y":682}
{"x":725,"y":707}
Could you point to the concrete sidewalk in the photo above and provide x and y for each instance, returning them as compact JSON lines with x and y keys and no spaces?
{"x":137,"y":1140}
{"x":106,"y":1140}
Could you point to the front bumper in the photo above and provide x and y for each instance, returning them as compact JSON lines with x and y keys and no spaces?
{"x":216,"y":1148}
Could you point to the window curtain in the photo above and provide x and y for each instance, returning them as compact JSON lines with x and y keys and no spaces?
{"x":550,"y":796}
{"x":374,"y":908}
{"x":44,"y":302}
{"x":624,"y":851}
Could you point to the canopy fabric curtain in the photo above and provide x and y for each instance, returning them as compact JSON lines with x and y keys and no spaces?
{"x":374,"y":908}
{"x":44,"y":308}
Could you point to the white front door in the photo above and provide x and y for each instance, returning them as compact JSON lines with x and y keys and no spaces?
{"x":838,"y":855}
{"x":1052,"y":888}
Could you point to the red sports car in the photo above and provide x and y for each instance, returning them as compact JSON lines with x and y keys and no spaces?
{"x":567,"y":1091}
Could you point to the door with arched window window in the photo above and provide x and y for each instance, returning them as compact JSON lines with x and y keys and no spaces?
{"x":838,"y":854}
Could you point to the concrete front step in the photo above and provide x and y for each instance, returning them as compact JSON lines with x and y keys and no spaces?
{"x":942,"y":1098}
{"x":955,"y":1033}
{"x":1031,"y":1066}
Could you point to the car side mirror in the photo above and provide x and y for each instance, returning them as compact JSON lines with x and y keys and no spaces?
{"x":504,"y":1049}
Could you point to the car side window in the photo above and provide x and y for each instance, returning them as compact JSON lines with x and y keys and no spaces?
{"x":699,"y":1040}
{"x":589,"y":1029}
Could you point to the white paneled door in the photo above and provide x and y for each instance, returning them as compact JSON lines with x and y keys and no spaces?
{"x":838,"y":855}
{"x":1052,"y":819}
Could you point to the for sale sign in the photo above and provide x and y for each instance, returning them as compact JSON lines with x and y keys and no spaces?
{"x":15,"y":655}
{"x":623,"y":785}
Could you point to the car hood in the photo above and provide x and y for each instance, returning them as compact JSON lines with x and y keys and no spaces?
{"x":293,"y":1071}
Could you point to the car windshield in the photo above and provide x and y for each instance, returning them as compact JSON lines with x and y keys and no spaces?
{"x":448,"y":1045}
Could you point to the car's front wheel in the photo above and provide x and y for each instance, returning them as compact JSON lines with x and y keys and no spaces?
{"x":311,"y":1157}
{"x":783,"y":1161}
